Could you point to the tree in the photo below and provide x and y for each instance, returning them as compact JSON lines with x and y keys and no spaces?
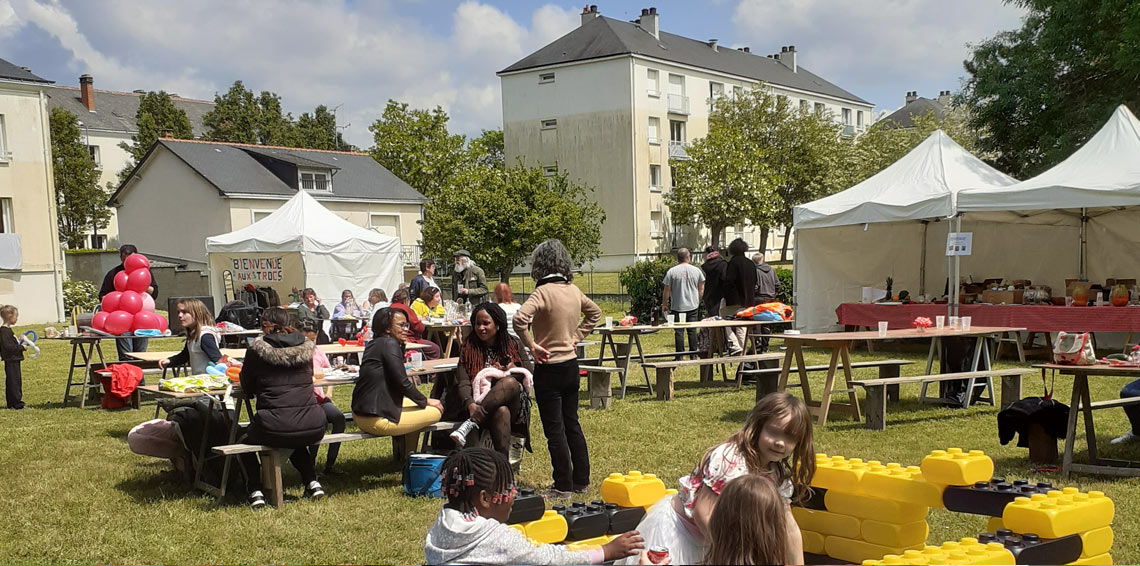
{"x":318,"y":130}
{"x":1039,"y":92}
{"x":502,"y":214}
{"x":884,"y":143}
{"x":488,"y":149}
{"x":240,"y":117}
{"x":156,"y":117}
{"x":415,"y":146}
{"x":80,"y":202}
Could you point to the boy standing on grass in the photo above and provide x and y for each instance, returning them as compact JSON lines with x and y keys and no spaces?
{"x":12,"y":352}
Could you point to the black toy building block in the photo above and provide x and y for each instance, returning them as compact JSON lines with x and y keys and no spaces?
{"x":584,"y":521}
{"x":1029,"y":548}
{"x":529,"y":506}
{"x":989,"y":498}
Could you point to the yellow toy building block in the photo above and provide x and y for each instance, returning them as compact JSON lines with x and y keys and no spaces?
{"x":994,"y":525}
{"x":876,"y":508}
{"x":968,"y":551}
{"x":837,"y":473}
{"x":955,"y":467}
{"x":1096,"y":541}
{"x":902,"y":484}
{"x":856,"y":551}
{"x":1098,"y":559}
{"x":826,"y":523}
{"x":668,"y":492}
{"x":1059,"y":513}
{"x":633,"y":489}
{"x":902,"y":535}
{"x":551,"y":528}
{"x":813,"y":542}
{"x":589,"y":543}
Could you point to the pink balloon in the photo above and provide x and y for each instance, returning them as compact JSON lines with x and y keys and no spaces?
{"x":99,"y":318}
{"x":162,"y":324}
{"x":145,"y":321}
{"x":121,"y":281}
{"x":118,"y":322}
{"x":136,"y":261}
{"x":148,"y":302}
{"x":111,"y":301}
{"x":138,"y":280}
{"x":131,"y":302}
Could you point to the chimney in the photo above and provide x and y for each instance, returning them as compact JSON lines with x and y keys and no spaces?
{"x":589,"y":13}
{"x":911,"y":96}
{"x":712,"y":43}
{"x":650,"y":23}
{"x":87,"y":91}
{"x":746,"y":49}
{"x":945,"y":98}
{"x":787,"y":56}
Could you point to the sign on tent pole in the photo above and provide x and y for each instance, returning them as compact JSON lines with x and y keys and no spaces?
{"x":959,"y":243}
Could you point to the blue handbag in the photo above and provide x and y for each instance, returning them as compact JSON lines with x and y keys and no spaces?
{"x":422,"y":475}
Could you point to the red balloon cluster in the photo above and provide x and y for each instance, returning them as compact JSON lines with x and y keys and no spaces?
{"x":129,"y":307}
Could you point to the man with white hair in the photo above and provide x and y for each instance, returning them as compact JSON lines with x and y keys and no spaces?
{"x":468,"y":281}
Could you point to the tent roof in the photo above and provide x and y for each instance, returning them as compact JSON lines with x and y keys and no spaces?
{"x":303,"y":224}
{"x":922,"y":184}
{"x":1105,"y":172}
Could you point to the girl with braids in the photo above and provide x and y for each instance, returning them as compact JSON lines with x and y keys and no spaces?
{"x":775,"y":444}
{"x":471,"y":528}
{"x":747,"y":525}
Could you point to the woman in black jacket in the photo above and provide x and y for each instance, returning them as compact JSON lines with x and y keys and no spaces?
{"x":278,"y":370}
{"x":385,"y":402}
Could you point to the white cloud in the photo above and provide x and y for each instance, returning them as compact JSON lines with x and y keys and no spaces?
{"x":9,"y":21}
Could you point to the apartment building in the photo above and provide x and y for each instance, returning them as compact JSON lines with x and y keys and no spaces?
{"x":613,"y":101}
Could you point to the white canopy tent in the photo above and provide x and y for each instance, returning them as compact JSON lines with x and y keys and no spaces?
{"x":303,"y":244}
{"x":883,"y":226}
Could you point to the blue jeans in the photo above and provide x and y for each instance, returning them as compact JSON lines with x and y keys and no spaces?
{"x":125,"y":346}
{"x":1133,"y":411}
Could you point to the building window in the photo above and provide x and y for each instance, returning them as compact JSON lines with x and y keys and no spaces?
{"x":677,"y":131}
{"x":549,"y":124}
{"x":259,"y":215}
{"x":95,"y":156}
{"x":859,"y":118}
{"x":805,"y":105}
{"x":6,"y":226}
{"x":655,"y":178}
{"x":654,"y":88}
{"x":819,"y":108}
{"x":655,"y":230}
{"x":387,"y":224}
{"x":716,"y":90}
{"x":315,"y":181}
{"x":846,"y":116}
{"x":549,"y":170}
{"x":672,"y":178}
{"x":545,"y":78}
{"x":678,"y":102}
{"x":98,"y":241}
{"x":737,"y":91}
{"x":654,"y":131}
{"x":5,"y":153}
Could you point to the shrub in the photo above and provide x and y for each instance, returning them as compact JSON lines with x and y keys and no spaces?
{"x":786,"y":288}
{"x":642,"y":281}
{"x":82,"y":294}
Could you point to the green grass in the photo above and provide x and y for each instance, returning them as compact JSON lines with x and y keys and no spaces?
{"x":73,"y":492}
{"x":589,"y":282}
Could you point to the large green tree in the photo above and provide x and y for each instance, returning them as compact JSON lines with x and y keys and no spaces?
{"x":240,"y":116}
{"x":1040,"y":91}
{"x":156,"y":117}
{"x":318,"y":130}
{"x":80,"y":203}
{"x":415,"y":145}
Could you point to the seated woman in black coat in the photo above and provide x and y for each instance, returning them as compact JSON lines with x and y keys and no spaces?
{"x":278,"y":370}
{"x":385,"y":402}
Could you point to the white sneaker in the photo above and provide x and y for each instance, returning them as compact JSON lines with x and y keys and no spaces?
{"x":459,"y":435}
{"x":1125,"y":438}
{"x":518,"y":446}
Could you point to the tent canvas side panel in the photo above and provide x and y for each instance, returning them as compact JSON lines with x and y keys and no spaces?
{"x":281,"y":270}
{"x":1114,"y":245}
{"x":330,"y":274}
{"x":1043,"y":247}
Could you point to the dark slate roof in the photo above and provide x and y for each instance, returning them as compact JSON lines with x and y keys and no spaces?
{"x":17,"y":73}
{"x":116,"y":110}
{"x":904,"y":117}
{"x":234,"y":171}
{"x":605,"y":37}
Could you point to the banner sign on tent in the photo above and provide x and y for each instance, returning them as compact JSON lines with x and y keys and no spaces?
{"x":959,"y":243}
{"x":257,"y":269}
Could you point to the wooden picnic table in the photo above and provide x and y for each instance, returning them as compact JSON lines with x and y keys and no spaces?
{"x":840,"y":345}
{"x":1081,"y":402}
{"x":88,"y":349}
{"x":441,"y":332}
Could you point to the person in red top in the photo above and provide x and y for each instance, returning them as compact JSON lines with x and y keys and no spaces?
{"x":400,"y":300}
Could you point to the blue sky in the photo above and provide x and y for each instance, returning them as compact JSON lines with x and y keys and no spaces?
{"x":360,"y":53}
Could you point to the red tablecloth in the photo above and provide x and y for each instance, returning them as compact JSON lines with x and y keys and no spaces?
{"x":1032,"y":317}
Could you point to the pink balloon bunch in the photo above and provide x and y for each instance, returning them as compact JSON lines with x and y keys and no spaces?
{"x":129,"y":307}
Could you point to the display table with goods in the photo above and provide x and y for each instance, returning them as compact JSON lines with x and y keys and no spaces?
{"x":1034,"y":318}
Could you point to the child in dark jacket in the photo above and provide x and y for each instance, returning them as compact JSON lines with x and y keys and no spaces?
{"x":12,"y":352}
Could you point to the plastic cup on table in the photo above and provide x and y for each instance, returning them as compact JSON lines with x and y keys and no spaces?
{"x":682,"y":318}
{"x":1068,"y":301}
{"x":609,"y":322}
{"x":940,"y":322}
{"x":882,"y":328}
{"x":965,"y":321}
{"x":955,"y":323}
{"x":669,"y":319}
{"x":417,"y":360}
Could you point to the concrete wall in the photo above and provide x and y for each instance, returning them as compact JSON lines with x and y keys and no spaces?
{"x":172,"y":282}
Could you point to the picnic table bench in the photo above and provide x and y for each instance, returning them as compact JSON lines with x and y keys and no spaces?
{"x":767,"y":379}
{"x":665,"y":369}
{"x":876,"y":403}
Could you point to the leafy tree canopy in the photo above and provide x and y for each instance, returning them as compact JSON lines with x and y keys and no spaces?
{"x":240,"y":116}
{"x":156,"y":117}
{"x":415,"y":145}
{"x":80,"y":203}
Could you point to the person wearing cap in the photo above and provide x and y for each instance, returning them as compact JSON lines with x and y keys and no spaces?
{"x":468,"y":281}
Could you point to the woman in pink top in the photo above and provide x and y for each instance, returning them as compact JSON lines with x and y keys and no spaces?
{"x":554,"y":314}
{"x":334,"y":415}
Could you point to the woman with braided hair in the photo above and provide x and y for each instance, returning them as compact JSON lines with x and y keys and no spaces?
{"x":471,"y":528}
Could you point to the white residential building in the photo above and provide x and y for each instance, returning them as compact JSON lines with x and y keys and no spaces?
{"x":612,"y":101}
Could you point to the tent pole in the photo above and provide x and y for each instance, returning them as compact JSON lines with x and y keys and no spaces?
{"x":922,"y":264}
{"x":1083,"y":258}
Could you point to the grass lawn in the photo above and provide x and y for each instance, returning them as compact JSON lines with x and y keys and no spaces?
{"x":76,"y":494}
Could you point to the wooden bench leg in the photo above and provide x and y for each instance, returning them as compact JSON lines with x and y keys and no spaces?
{"x":665,"y":384}
{"x":892,"y":390}
{"x":766,"y":384}
{"x":600,"y":384}
{"x":1010,"y":390}
{"x":271,"y":477}
{"x":876,"y":407}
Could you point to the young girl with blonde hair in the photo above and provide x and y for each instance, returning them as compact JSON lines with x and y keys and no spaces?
{"x":748,"y":524}
{"x":202,"y":339}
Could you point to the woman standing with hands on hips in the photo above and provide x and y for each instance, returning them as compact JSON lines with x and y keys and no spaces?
{"x":554,"y":314}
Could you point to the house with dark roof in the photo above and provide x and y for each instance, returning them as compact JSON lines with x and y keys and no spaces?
{"x":184,"y":191}
{"x":613,"y":102}
{"x":31,"y":263}
{"x":915,"y":106}
{"x":107,"y":118}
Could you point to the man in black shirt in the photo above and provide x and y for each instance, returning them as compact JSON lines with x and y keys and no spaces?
{"x":127,"y":345}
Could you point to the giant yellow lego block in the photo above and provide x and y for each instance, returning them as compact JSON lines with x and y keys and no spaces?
{"x":852,"y":550}
{"x":897,"y":535}
{"x":876,"y":508}
{"x":826,"y":523}
{"x":1059,"y":513}
{"x":955,"y":467}
{"x":813,"y":542}
{"x":633,"y":489}
{"x":967,"y":551}
{"x":1098,"y":559}
{"x":551,"y":528}
{"x":901,"y":484}
{"x":838,"y":473}
{"x":668,"y":492}
{"x":589,"y":543}
{"x":1096,"y":541}
{"x":994,"y":525}
{"x":521,"y":529}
